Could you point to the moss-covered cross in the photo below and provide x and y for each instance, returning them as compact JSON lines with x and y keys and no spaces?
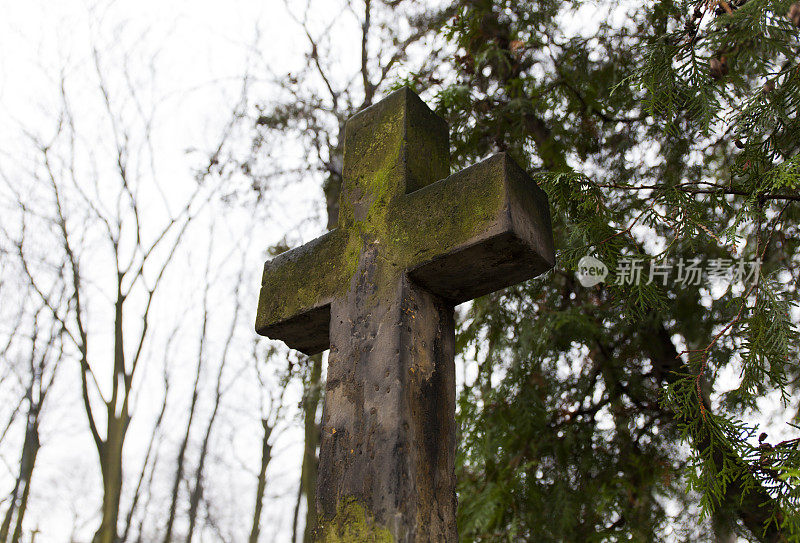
{"x":379,"y":291}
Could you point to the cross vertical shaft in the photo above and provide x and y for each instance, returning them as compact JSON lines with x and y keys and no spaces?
{"x":388,"y":423}
{"x":388,"y":420}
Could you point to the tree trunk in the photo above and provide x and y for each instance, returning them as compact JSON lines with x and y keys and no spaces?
{"x":179,"y":468}
{"x":333,"y":183}
{"x":266,"y":456}
{"x":111,"y":469}
{"x":150,"y":447}
{"x":296,"y":513}
{"x":197,"y":490}
{"x":181,"y":460}
{"x":23,"y":504}
{"x":310,"y":461}
{"x":18,"y":503}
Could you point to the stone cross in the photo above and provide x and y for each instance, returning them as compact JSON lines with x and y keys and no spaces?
{"x":379,"y":291}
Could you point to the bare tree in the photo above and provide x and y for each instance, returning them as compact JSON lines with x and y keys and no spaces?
{"x":117,"y":246}
{"x":45,"y":352}
{"x":151,"y":456}
{"x":180,"y":461}
{"x":219,"y":390}
{"x":311,"y":437}
{"x":272,"y":406}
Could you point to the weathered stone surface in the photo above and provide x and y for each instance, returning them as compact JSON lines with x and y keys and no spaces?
{"x":479,"y":230}
{"x":297,"y":289}
{"x":380,"y":291}
{"x":388,"y":429}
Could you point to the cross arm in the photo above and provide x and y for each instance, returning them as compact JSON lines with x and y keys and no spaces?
{"x":297,"y":288}
{"x":477,"y":231}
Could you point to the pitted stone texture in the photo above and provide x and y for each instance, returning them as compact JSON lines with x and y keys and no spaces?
{"x":380,"y":291}
{"x":388,"y":428}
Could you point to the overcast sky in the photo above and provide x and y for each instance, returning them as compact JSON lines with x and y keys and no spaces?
{"x":201,"y":49}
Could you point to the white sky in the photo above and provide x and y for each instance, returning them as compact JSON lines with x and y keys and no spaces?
{"x":202,"y":48}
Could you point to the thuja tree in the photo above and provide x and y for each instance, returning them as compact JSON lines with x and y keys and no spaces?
{"x":662,"y":132}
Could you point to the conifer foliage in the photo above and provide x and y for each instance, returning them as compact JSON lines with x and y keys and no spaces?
{"x":666,"y":135}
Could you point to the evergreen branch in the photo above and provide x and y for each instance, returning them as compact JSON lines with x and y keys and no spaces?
{"x":794,"y":197}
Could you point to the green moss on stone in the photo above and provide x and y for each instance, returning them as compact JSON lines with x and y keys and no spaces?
{"x":411,"y":229}
{"x":353,"y":524}
{"x":407,"y":229}
{"x":439,"y":218}
{"x":303,"y":278}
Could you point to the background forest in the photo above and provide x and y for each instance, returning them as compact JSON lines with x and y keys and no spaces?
{"x":152,"y":157}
